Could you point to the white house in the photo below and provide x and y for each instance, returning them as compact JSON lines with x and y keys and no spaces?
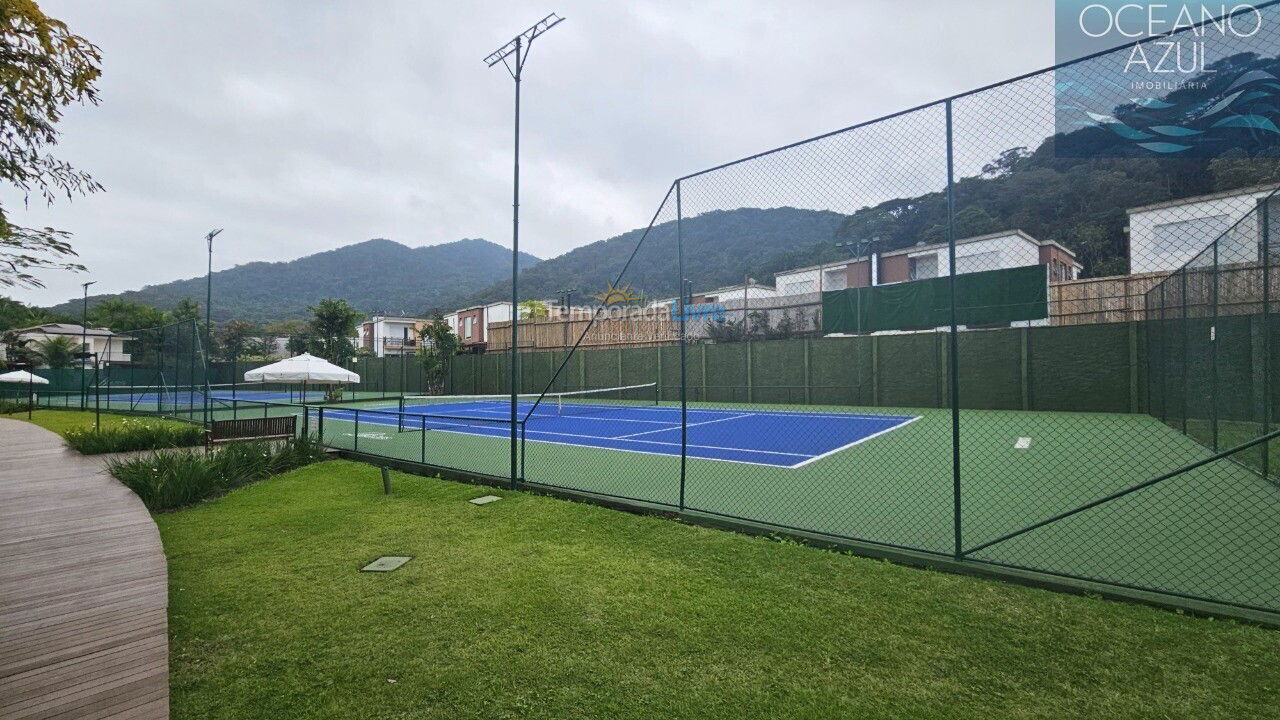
{"x":750,"y":291}
{"x":109,"y":346}
{"x":383,"y":335}
{"x":1164,"y":236}
{"x":471,"y":325}
{"x":994,"y":251}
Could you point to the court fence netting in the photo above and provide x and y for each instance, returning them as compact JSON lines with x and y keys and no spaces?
{"x":1138,"y":460}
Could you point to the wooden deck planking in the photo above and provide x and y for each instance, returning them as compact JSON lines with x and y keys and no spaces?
{"x":83,"y":588}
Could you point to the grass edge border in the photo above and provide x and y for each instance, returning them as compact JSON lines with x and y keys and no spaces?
{"x":899,"y":556}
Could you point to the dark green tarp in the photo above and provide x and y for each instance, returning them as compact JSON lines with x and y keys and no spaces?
{"x":982,"y":298}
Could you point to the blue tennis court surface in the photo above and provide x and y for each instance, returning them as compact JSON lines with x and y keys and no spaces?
{"x":756,"y":437}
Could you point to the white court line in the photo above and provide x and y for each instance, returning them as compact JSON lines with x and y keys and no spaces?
{"x":858,"y":442}
{"x":677,"y":426}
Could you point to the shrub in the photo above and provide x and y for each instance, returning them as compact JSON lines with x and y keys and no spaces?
{"x":9,"y":407}
{"x":131,"y":434}
{"x":170,"y":479}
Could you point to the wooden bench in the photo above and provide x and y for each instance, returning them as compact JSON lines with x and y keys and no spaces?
{"x":259,"y":428}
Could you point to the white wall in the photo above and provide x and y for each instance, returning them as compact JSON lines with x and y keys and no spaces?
{"x":997,"y":253}
{"x":1164,"y":239}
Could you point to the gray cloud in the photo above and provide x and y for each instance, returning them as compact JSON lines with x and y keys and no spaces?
{"x":301,"y":127}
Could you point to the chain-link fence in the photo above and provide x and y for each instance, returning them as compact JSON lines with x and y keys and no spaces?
{"x":927,"y":400}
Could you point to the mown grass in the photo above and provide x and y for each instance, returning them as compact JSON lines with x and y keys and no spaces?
{"x":62,"y":421}
{"x":534,"y":607}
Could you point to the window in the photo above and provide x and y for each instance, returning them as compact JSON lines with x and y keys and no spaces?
{"x":924,"y":266}
{"x":978,"y":262}
{"x":467,"y":326}
{"x":1176,"y":242}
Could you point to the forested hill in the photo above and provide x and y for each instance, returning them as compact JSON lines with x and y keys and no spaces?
{"x":375,"y":276}
{"x":719,"y":248}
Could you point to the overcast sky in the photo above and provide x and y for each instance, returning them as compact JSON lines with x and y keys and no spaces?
{"x":304,"y":126}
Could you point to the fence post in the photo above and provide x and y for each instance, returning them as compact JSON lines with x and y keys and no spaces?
{"x":1266,"y":336}
{"x":955,"y":344}
{"x":355,"y":435}
{"x":808,"y":375}
{"x":320,"y":425}
{"x":658,"y":356}
{"x":1134,"y":400}
{"x":682,"y":309}
{"x":1213,"y":359}
{"x":423,"y":422}
{"x":1025,"y":365}
{"x":704,"y":372}
{"x":875,"y":371}
{"x":1186,"y":360}
{"x":1164,"y":359}
{"x":750,"y":389}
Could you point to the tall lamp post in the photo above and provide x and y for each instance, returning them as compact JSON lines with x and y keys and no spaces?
{"x":84,"y":336}
{"x":97,"y":404}
{"x":208,"y":320}
{"x":513,"y":55}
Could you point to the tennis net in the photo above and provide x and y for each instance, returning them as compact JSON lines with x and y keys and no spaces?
{"x":533,"y":405}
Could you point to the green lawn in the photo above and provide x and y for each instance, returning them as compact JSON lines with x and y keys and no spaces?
{"x":60,"y":421}
{"x":535,"y":607}
{"x":1211,"y":533}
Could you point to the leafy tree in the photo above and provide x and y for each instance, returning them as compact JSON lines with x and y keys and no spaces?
{"x":14,"y":314}
{"x":44,"y":67}
{"x":333,"y":324}
{"x":234,"y":339}
{"x":56,"y":352}
{"x":260,"y":348}
{"x":533,"y":310}
{"x":186,"y":309}
{"x":438,"y":347}
{"x":125,"y":315}
{"x":16,"y":350}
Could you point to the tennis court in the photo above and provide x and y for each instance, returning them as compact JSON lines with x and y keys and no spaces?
{"x":613,"y":419}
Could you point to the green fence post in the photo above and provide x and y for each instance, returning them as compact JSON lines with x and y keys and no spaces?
{"x":808,"y":375}
{"x":1025,"y":365}
{"x":658,"y":353}
{"x":423,"y":422}
{"x":955,"y":340}
{"x":750,"y":389}
{"x":355,"y":435}
{"x":1213,"y":358}
{"x":704,"y":372}
{"x":1134,"y":400}
{"x":1266,"y":336}
{"x":1186,"y":360}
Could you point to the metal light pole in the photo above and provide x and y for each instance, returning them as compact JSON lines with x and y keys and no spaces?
{"x":567,"y":302}
{"x":513,"y":55}
{"x":84,"y":336}
{"x":208,"y":320}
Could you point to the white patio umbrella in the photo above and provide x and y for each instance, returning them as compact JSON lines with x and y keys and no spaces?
{"x":306,"y":369}
{"x":24,"y":377}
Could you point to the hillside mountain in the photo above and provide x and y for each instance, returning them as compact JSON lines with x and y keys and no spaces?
{"x":376,"y":276}
{"x":719,"y":248}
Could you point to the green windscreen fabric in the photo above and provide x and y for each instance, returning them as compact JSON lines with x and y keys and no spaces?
{"x":982,"y":298}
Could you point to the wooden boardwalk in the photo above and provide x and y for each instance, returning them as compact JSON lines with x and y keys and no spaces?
{"x":83,"y":588}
